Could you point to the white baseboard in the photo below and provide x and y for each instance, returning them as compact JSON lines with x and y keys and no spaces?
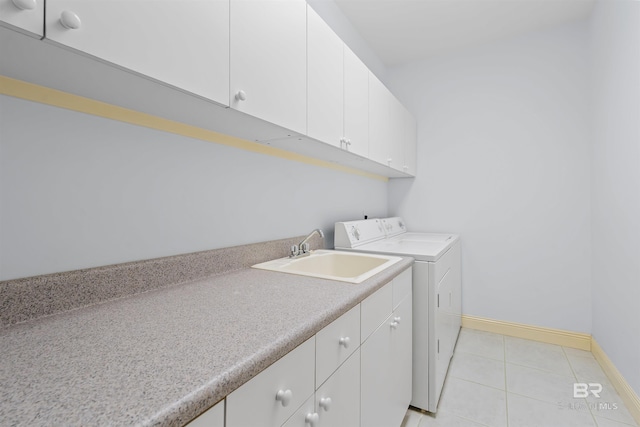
{"x":565,"y":338}
{"x":536,"y":333}
{"x":628,"y":395}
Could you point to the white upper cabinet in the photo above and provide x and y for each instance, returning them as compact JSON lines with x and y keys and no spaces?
{"x":325,"y":85}
{"x":392,"y":129}
{"x":380,"y":117}
{"x":181,"y":43}
{"x":410,"y":143}
{"x":397,"y":134}
{"x":356,"y":104}
{"x":26,"y":16}
{"x":269,"y":61}
{"x":337,"y":90}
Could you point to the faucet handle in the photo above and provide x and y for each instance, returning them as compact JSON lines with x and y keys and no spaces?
{"x":304,"y":248}
{"x":294,"y":251}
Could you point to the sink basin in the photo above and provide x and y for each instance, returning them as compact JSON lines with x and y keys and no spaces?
{"x":351,"y":267}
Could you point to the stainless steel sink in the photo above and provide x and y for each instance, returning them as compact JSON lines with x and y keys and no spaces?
{"x":351,"y":267}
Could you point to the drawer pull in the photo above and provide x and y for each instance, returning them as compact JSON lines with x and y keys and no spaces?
{"x":70,"y":20}
{"x":345,"y":341}
{"x":25,"y":4}
{"x":325,"y":403}
{"x":312,"y":419}
{"x":284,"y":397}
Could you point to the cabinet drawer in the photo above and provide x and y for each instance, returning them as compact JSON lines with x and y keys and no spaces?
{"x":375,"y":309}
{"x":402,"y":286}
{"x":338,"y":400}
{"x":255,"y":403}
{"x":336,"y":342}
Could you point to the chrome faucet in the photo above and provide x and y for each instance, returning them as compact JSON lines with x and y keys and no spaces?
{"x":302,"y":248}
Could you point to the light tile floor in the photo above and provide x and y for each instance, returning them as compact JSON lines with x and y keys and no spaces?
{"x":500,"y":381}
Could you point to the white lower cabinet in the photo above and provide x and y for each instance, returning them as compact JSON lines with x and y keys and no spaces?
{"x":334,"y":380}
{"x":271,"y":397}
{"x":338,"y":399}
{"x":386,"y":360}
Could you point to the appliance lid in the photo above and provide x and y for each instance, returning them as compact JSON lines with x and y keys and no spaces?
{"x":421,"y":251}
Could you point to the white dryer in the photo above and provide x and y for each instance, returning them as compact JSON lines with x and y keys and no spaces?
{"x":436,"y":294}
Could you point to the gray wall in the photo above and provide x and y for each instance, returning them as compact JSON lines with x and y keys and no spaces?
{"x":615,"y":30}
{"x":504,"y":159}
{"x":80,"y":191}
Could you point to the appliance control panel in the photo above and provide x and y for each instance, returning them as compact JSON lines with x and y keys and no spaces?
{"x":394,"y":226}
{"x":351,"y":234}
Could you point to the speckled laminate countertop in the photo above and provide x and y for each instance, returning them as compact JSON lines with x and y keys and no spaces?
{"x":164,"y":356}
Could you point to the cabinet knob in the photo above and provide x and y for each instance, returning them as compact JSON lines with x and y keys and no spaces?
{"x":345,"y":341}
{"x":241,"y":95}
{"x":25,"y":4}
{"x":70,"y":20}
{"x":312,"y":419}
{"x":389,"y":161}
{"x":325,"y":403}
{"x":284,"y":397}
{"x":393,"y":324}
{"x":397,"y":319}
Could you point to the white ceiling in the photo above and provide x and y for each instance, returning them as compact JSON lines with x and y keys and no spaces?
{"x":401,"y":31}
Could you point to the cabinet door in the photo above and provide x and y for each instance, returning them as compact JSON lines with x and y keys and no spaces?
{"x":324,"y":81}
{"x":336,"y":342}
{"x":356,"y":103}
{"x":397,"y":137}
{"x":181,"y":43}
{"x":269,"y":61}
{"x":305,"y":416}
{"x":213,"y":417}
{"x":26,"y":16}
{"x":379,"y":122}
{"x":410,"y":143}
{"x":376,"y":378}
{"x":402,"y":356}
{"x":338,"y":400}
{"x":271,"y":397}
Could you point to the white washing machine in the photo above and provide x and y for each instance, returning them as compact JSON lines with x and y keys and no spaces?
{"x":436,"y":294}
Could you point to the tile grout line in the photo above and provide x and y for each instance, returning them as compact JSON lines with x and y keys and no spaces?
{"x":477,"y":383}
{"x":536,"y":368}
{"x":575,"y":377}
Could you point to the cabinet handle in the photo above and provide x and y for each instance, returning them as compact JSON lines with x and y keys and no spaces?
{"x":312,"y":419}
{"x":393,"y":324}
{"x":241,"y":95}
{"x":325,"y":403}
{"x":397,"y":319}
{"x":345,"y":341}
{"x":25,"y":4}
{"x":70,"y":20}
{"x":284,"y":397}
